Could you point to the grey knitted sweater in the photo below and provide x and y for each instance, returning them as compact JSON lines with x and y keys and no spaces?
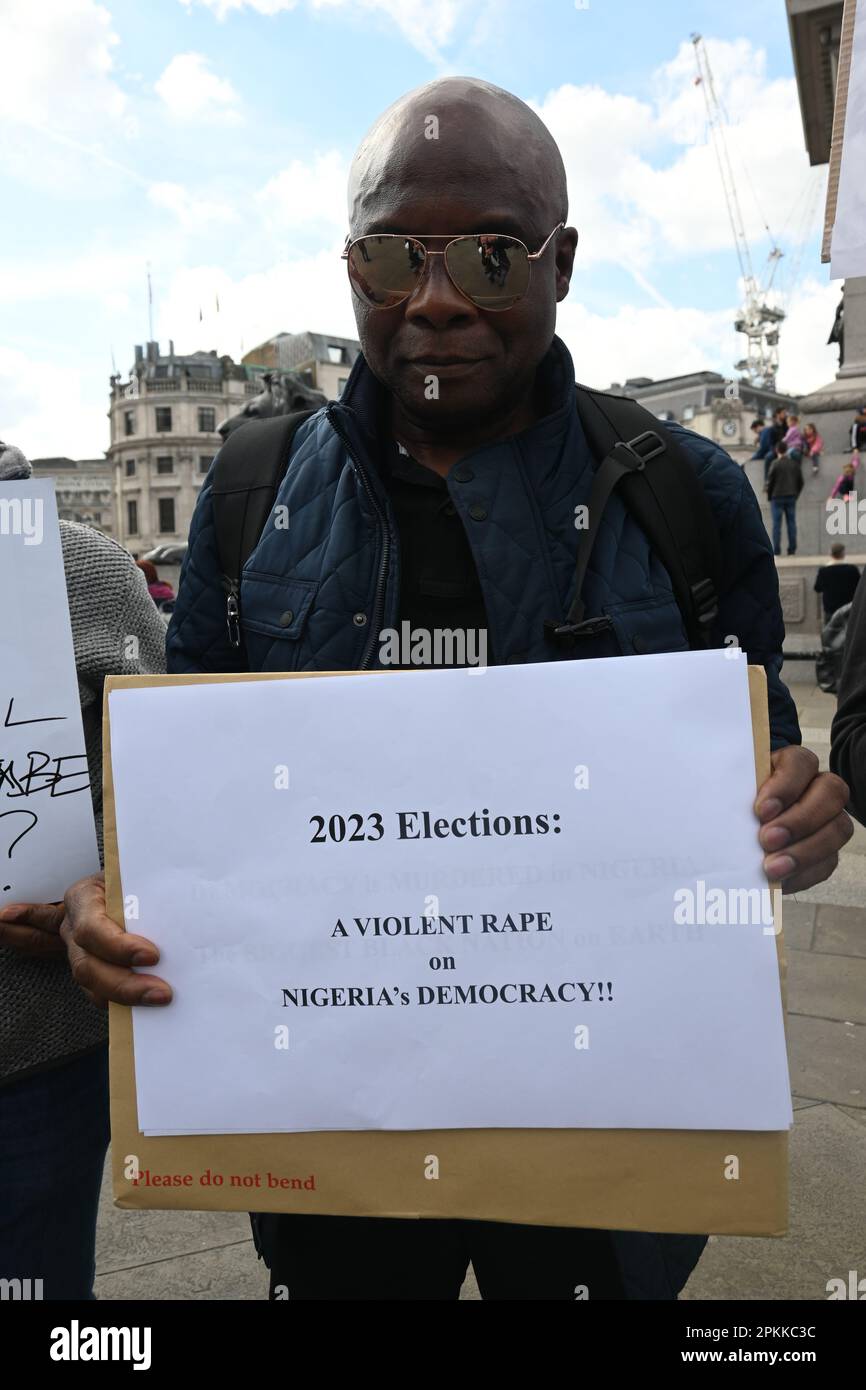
{"x":45,"y":1018}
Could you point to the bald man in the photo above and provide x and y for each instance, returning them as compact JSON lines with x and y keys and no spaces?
{"x":440,"y":492}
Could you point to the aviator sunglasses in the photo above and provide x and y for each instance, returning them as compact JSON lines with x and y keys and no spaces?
{"x":491,"y":270}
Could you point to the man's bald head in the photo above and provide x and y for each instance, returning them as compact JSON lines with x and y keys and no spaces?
{"x":489,"y":147}
{"x":461,"y":157}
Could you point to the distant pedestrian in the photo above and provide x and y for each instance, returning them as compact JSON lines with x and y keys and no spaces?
{"x":784,"y":485}
{"x":765,"y":433}
{"x":814,"y":446}
{"x":858,"y":431}
{"x":158,"y":589}
{"x":836,"y":581}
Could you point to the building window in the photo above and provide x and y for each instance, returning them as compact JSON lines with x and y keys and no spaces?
{"x":165,"y":465}
{"x":204,"y":462}
{"x":166,"y":516}
{"x":335,"y":355}
{"x":130,"y":468}
{"x":206,"y":419}
{"x":163,"y":419}
{"x":688,"y":412}
{"x":132,"y":518}
{"x":129,"y":422}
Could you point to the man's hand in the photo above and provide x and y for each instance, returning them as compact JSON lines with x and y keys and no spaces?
{"x":102,"y":954}
{"x":803,"y":820}
{"x":33,"y":929}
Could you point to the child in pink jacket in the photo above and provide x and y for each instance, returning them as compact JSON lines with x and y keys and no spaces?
{"x":845,"y":481}
{"x":814,"y":446}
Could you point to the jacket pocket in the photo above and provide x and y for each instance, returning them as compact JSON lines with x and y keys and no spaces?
{"x":649,"y":625}
{"x":274,"y":606}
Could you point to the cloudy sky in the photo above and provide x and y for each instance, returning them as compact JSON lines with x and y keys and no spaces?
{"x":211,"y":139}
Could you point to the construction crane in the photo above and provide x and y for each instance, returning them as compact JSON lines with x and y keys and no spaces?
{"x":758,"y":319}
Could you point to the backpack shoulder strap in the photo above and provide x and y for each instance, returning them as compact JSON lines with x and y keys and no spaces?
{"x":659,"y":486}
{"x":247,"y":474}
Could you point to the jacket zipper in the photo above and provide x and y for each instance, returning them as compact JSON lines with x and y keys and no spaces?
{"x":233,"y":615}
{"x":379,"y":597}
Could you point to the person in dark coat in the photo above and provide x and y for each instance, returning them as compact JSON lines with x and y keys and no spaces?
{"x":784,"y":485}
{"x":836,"y":581}
{"x":402,"y":498}
{"x":848,"y":731}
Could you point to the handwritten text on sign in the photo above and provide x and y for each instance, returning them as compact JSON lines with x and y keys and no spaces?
{"x":558,"y":950}
{"x":47,"y":834}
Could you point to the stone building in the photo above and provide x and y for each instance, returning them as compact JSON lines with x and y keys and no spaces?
{"x":164,"y":422}
{"x":323,"y":360}
{"x":84,"y":489}
{"x":710,"y":404}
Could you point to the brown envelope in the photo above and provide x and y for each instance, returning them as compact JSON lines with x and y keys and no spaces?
{"x":624,"y":1179}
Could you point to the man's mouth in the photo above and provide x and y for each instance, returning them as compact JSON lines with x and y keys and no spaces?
{"x":439,"y":361}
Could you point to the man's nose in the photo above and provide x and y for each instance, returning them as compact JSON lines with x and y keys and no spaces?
{"x":437,"y":300}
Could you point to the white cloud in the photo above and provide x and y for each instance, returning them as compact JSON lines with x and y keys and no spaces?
{"x":29,"y":418}
{"x":305,"y":293}
{"x":640,"y":341}
{"x":99,"y":277}
{"x":308,"y":194}
{"x":58,"y":64}
{"x":60,"y":101}
{"x":428,"y":28}
{"x":636,"y":202}
{"x":223,"y":7}
{"x":661,"y":341}
{"x":192,"y":92}
{"x":805,"y":361}
{"x":194,"y":214}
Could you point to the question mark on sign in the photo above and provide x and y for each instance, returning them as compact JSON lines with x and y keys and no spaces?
{"x":20,"y":837}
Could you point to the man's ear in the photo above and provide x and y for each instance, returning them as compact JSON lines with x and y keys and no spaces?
{"x":566,"y":247}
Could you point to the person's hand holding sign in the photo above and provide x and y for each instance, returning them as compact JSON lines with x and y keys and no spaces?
{"x":102,"y":954}
{"x":803,"y":819}
{"x":32,"y":929}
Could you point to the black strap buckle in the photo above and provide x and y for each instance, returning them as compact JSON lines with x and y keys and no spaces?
{"x":645,"y":446}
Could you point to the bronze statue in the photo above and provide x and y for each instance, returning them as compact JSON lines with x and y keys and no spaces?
{"x":837,"y":332}
{"x":283,"y":392}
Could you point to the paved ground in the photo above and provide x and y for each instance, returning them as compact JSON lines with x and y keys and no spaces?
{"x":193,"y":1255}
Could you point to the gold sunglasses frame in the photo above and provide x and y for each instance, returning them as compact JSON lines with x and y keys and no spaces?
{"x":464,"y":236}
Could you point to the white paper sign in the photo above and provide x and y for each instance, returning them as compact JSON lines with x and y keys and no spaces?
{"x":525,"y":896}
{"x":47,"y":834}
{"x":848,"y":244}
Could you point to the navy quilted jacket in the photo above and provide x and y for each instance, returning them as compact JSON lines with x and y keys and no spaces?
{"x":316,"y":594}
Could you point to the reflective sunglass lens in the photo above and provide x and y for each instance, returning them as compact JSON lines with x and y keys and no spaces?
{"x":492,"y":271}
{"x":385,"y":270}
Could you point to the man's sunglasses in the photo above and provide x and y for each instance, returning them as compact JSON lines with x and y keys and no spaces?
{"x":490,"y":270}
